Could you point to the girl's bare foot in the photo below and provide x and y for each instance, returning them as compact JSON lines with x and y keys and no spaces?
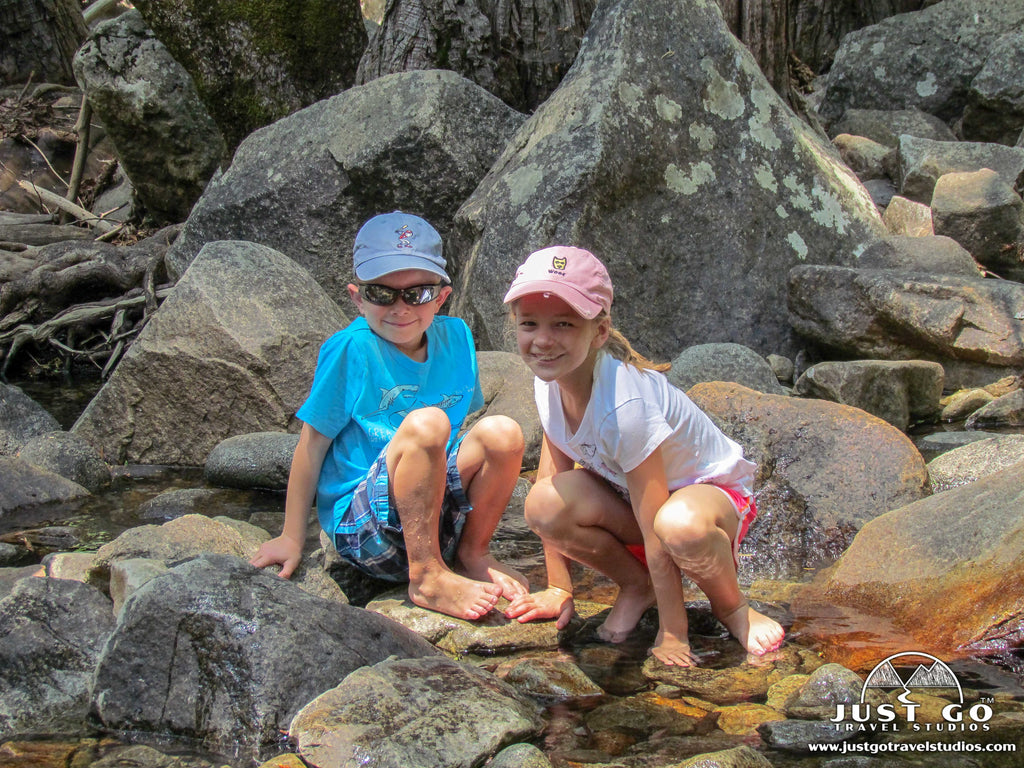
{"x":454,"y":595}
{"x":512,"y":583}
{"x":629,"y":607}
{"x":757,"y":633}
{"x":673,"y":651}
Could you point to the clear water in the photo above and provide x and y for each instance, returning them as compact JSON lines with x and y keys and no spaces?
{"x":100,"y":518}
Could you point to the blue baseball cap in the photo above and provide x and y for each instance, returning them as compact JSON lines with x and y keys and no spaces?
{"x":395,"y":241}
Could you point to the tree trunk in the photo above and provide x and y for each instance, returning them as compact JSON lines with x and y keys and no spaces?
{"x":38,"y":39}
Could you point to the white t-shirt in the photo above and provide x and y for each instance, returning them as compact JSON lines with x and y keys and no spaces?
{"x":630,"y":414}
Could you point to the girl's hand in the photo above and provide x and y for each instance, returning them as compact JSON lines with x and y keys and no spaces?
{"x":283,"y":551}
{"x":551,"y":603}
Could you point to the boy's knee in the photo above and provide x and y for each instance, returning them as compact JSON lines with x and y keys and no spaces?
{"x":424,"y":428}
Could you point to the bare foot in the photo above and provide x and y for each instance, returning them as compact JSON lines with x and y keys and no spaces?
{"x":673,"y":652}
{"x":455,"y":595}
{"x":512,"y":583}
{"x":629,"y":606}
{"x":757,"y":633}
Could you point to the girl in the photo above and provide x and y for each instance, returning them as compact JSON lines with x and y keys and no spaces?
{"x":634,"y":480}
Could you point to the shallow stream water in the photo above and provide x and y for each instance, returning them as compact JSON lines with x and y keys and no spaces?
{"x":855,"y":641}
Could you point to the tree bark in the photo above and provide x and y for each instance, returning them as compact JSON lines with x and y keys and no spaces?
{"x":38,"y":39}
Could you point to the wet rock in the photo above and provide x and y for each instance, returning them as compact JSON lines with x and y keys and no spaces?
{"x":969,"y":325}
{"x":26,"y":485}
{"x":544,"y":678}
{"x":168,"y":144}
{"x":519,"y":57}
{"x":825,"y":688}
{"x":906,"y":217}
{"x":962,"y":404}
{"x":995,"y":102}
{"x":900,"y":393}
{"x":429,"y":712}
{"x":738,"y":757}
{"x":180,"y":502}
{"x":642,"y":715}
{"x":957,"y":553}
{"x":142,"y":756}
{"x":796,"y":735}
{"x":723,"y":362}
{"x":494,"y":634}
{"x":924,"y":60}
{"x":823,"y":471}
{"x":21,"y":419}
{"x":305,"y":184}
{"x":188,"y":537}
{"x":1004,"y":411}
{"x":260,"y":460}
{"x":975,"y":460}
{"x":922,"y":254}
{"x":734,"y":684}
{"x":629,"y":139}
{"x":939,"y":442}
{"x":507,"y":384}
{"x":52,"y":632}
{"x":209,"y":359}
{"x":70,"y":456}
{"x":885,"y":126}
{"x":255,"y":64}
{"x":985,"y":215}
{"x":12,"y":555}
{"x":743,"y":719}
{"x":520,"y":756}
{"x":923,"y":161}
{"x":209,"y":651}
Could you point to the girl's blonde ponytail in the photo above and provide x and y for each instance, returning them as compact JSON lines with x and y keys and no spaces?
{"x":618,"y":346}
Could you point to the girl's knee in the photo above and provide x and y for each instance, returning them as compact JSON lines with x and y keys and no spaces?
{"x":499,"y":434}
{"x":542,"y":507}
{"x":680,"y":528}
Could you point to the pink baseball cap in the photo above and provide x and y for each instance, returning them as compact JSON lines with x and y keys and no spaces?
{"x":574,"y":275}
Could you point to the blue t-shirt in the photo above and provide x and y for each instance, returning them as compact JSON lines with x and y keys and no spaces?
{"x":363,"y":388}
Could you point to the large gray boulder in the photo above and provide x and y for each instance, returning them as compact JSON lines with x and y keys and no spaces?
{"x":418,"y":142}
{"x":69,"y":456}
{"x":899,"y":392}
{"x":995,"y":101}
{"x":220,"y":652}
{"x":254,"y":64}
{"x":21,"y":419}
{"x":518,"y":56}
{"x":887,"y":125}
{"x":227,"y":353}
{"x":26,"y":485}
{"x":167,"y":142}
{"x":823,"y":471}
{"x":924,"y":60}
{"x":955,"y":554}
{"x":723,"y":362}
{"x":923,"y":161}
{"x":423,"y":712}
{"x":973,"y":327}
{"x":665,"y":152}
{"x":51,"y":634}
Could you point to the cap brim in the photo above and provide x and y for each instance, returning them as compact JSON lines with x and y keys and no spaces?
{"x":385,"y":264}
{"x":581,"y":303}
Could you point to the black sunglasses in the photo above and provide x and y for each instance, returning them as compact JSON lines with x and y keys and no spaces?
{"x":384,"y":296}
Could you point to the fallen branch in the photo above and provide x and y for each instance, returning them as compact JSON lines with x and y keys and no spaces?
{"x":49,"y":198}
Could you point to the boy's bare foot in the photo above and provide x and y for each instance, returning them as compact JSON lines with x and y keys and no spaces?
{"x":673,"y":652}
{"x":454,"y":595}
{"x":512,"y":583}
{"x":629,"y":606}
{"x":757,"y":633}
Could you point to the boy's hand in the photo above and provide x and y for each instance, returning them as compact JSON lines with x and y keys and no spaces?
{"x":283,"y":550}
{"x":551,"y":603}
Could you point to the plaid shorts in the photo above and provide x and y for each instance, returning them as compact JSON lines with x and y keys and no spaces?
{"x":369,"y":535}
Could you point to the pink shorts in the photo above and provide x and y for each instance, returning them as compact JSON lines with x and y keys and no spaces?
{"x":746,"y":510}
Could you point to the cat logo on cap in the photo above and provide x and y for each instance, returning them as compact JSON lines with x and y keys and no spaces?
{"x":559,"y":263}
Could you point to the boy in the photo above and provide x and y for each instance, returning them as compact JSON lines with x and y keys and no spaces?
{"x":400,"y":495}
